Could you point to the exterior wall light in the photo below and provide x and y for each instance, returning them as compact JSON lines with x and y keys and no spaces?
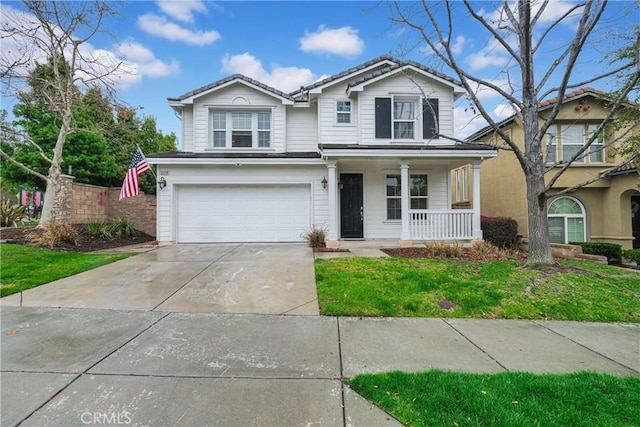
{"x":162,"y":182}
{"x":324,"y":182}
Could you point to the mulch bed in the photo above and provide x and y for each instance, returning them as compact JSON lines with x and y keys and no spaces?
{"x":330,"y":250}
{"x":86,"y":242}
{"x":467,"y":254}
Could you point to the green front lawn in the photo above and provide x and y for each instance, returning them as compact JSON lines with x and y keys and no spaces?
{"x":483,"y":289}
{"x":24,"y":267}
{"x":437,"y":398}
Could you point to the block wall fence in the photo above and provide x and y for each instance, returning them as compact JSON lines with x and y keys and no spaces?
{"x":84,"y":203}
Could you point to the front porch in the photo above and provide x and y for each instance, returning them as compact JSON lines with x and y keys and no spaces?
{"x":401,"y":200}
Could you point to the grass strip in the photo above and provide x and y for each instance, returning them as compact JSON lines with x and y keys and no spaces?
{"x":438,"y":398}
{"x":400,"y":287}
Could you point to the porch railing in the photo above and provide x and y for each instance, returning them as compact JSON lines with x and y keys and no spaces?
{"x":455,"y":224}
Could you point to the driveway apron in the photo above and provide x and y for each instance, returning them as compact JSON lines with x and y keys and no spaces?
{"x":216,"y":278}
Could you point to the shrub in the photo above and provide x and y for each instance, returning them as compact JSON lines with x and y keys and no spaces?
{"x":57,"y":234}
{"x":486,"y":250}
{"x":501,"y":232}
{"x":443,"y":250}
{"x":10,"y":214}
{"x":632,"y":255}
{"x":101,"y":230}
{"x":612,"y":251}
{"x":316,"y":237}
{"x":123,"y":228}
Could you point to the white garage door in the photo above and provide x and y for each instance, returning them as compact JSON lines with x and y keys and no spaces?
{"x":238,"y":213}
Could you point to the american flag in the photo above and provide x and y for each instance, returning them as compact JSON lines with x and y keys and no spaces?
{"x":137,"y":167}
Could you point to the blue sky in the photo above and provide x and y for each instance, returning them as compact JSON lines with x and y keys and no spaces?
{"x":174,"y":47}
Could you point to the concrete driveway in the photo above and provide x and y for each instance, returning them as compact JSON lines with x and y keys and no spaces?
{"x":216,"y":278}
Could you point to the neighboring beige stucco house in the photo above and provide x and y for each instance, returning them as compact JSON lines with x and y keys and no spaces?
{"x":606,"y":210}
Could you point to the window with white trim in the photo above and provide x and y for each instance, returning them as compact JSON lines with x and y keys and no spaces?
{"x":566,"y":221}
{"x":241,"y":129}
{"x":461,"y":184}
{"x":565,"y":140}
{"x":343,"y":112}
{"x":404,"y":117}
{"x":418,"y":194}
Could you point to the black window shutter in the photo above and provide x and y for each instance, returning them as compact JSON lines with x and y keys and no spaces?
{"x":383,"y":117}
{"x":430,"y":118}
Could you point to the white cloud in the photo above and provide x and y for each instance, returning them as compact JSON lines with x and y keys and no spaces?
{"x":182,"y":10}
{"x":458,"y":45}
{"x":503,"y":111}
{"x":340,"y":41}
{"x":159,"y":26}
{"x":145,"y":62}
{"x":552,"y":12}
{"x":485,"y":93}
{"x":466,"y":122}
{"x":493,"y":54}
{"x":286,"y":79}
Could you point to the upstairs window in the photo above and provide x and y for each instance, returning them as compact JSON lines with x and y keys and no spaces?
{"x":399,"y":118}
{"x":241,"y":129}
{"x":343,"y":112}
{"x":565,"y":140}
{"x":404,"y":118}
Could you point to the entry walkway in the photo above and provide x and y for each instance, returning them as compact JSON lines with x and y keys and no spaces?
{"x":69,"y":366}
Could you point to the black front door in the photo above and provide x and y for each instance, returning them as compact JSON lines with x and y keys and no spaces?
{"x":351,"y":206}
{"x":635,"y":218}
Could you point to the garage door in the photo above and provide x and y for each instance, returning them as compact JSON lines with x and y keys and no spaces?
{"x":242,"y":213}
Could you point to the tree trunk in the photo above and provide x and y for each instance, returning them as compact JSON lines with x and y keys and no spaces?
{"x":539,"y":243}
{"x":53,"y":206}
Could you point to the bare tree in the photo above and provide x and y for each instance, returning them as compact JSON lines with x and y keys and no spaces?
{"x":517,"y":28}
{"x":57,"y":33}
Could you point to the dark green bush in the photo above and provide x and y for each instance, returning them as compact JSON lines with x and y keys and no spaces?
{"x":101,"y":230}
{"x":632,"y":255}
{"x":499,"y":231}
{"x":123,"y":228}
{"x":612,"y":251}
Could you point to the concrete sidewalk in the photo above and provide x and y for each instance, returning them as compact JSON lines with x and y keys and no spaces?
{"x":86,"y":366}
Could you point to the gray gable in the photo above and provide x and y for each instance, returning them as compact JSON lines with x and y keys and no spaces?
{"x":229,"y":79}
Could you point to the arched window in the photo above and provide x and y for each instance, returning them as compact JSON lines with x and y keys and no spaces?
{"x":566,"y":221}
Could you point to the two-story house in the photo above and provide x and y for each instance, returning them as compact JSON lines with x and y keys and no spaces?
{"x":606,"y":210}
{"x":359,"y":153}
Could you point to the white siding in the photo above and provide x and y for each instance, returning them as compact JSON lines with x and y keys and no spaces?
{"x":237,"y":95}
{"x":187,"y":128}
{"x":302,"y":129}
{"x":245,"y":174}
{"x":330,"y":131}
{"x":400,"y":84}
{"x":376,"y":225}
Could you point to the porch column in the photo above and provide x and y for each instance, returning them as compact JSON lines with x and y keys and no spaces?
{"x":405,"y":234}
{"x":476,"y":230}
{"x":332,"y":229}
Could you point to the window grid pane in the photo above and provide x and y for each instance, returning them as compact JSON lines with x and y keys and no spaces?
{"x":264,"y":138}
{"x":219,"y":138}
{"x":219,"y":120}
{"x":264,"y":121}
{"x":394,"y":204}
{"x":241,"y":121}
{"x":403,"y":130}
{"x":575,"y":229}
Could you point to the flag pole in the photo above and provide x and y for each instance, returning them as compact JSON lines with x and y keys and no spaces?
{"x":145,"y":159}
